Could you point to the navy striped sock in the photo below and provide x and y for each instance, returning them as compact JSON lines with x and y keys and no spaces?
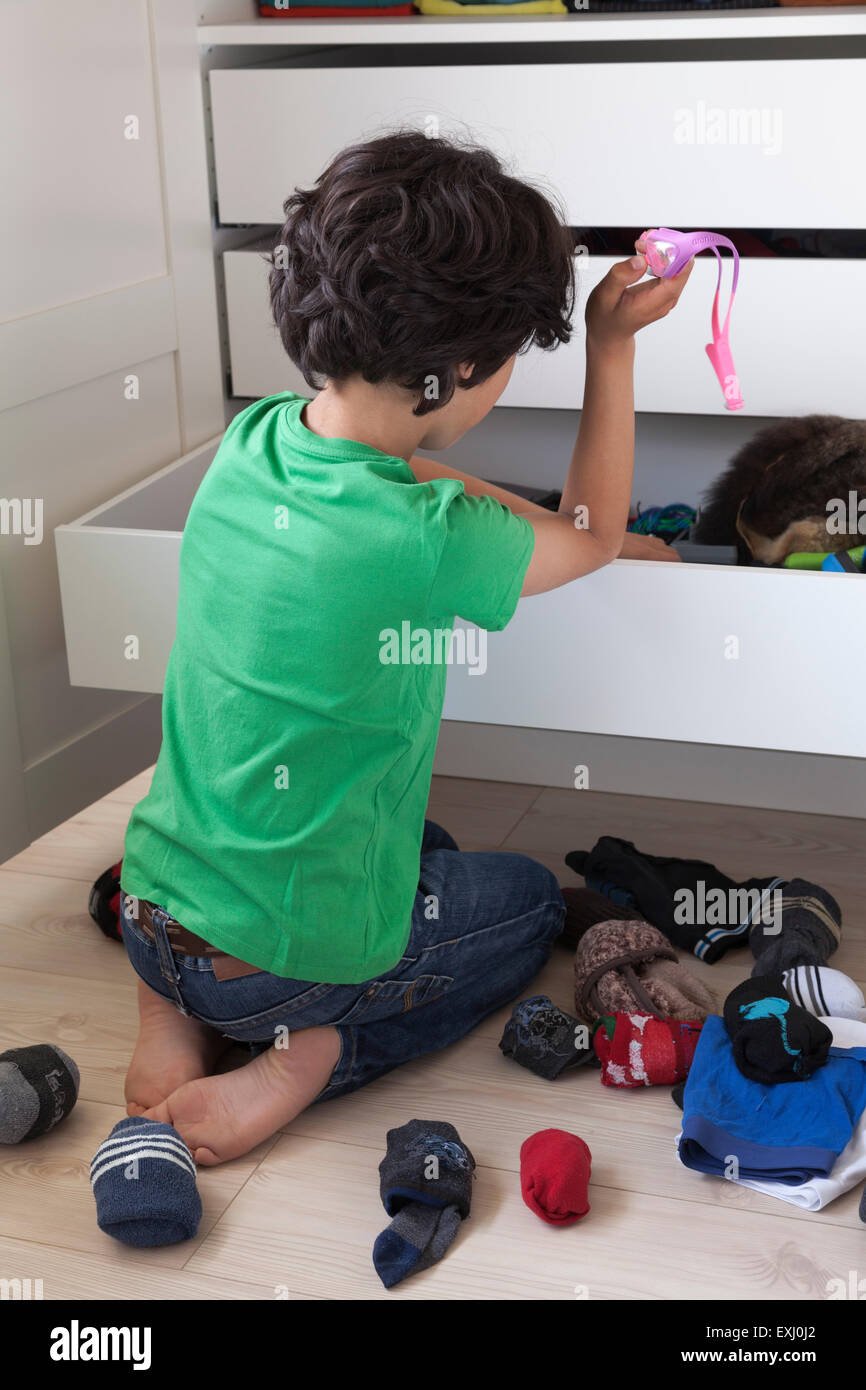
{"x":143,"y":1179}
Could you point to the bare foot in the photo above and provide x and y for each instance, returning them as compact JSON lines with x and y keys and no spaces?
{"x":171,"y":1049}
{"x":222,"y":1117}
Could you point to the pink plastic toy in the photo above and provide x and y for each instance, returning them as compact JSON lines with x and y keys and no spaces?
{"x":667,"y":252}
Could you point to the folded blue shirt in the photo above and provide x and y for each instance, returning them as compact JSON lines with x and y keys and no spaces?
{"x":783,"y":1133}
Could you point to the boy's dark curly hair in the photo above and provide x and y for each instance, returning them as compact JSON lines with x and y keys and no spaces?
{"x":413,"y":255}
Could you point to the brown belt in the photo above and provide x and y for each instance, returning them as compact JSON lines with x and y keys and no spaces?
{"x":186,"y":943}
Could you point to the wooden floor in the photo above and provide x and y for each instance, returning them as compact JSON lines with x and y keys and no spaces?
{"x":298,"y":1217}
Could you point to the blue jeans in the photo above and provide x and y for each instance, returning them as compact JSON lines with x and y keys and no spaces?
{"x":483,"y":925}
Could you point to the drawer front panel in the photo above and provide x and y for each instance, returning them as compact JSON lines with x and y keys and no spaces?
{"x":119,"y":592}
{"x":698,"y":653}
{"x":118,"y":568}
{"x":718,"y":144}
{"x":794,"y":335}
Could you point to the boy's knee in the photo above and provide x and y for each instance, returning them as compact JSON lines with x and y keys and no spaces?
{"x":541,"y":890}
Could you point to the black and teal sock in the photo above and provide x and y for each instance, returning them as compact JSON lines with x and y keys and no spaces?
{"x":425,"y":1181}
{"x":774,"y":1040}
{"x":38,"y":1088}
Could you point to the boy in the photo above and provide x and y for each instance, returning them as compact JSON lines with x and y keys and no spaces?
{"x":284,"y":887}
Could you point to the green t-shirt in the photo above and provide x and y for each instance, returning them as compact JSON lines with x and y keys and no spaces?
{"x":285,"y":817}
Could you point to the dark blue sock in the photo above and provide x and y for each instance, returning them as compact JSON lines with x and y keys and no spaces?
{"x":143,"y":1179}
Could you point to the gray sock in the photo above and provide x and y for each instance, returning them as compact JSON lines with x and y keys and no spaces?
{"x":417,"y":1238}
{"x":38,"y":1088}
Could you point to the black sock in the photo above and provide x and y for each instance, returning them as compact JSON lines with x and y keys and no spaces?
{"x":677,"y":1094}
{"x":544,"y":1038}
{"x":708,"y":922}
{"x":774,"y":1039}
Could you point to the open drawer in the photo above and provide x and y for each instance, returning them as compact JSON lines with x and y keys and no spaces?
{"x":795,"y":334}
{"x":700,"y":653}
{"x":118,"y":569}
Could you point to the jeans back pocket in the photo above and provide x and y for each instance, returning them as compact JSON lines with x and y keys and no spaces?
{"x":390,"y":998}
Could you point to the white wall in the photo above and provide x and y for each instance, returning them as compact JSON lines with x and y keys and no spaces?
{"x":109,"y":357}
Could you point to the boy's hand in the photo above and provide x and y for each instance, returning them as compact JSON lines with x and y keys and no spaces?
{"x":636,"y":547}
{"x":615,"y":311}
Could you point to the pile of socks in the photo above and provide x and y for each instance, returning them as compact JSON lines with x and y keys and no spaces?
{"x":803,"y":1143}
{"x":425,"y":1183}
{"x":143,"y":1175}
{"x":787,"y":923}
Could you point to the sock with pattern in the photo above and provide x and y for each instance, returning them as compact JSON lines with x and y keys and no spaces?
{"x":544,"y":1038}
{"x":143,"y":1179}
{"x":425,"y":1182}
{"x":825,"y":992}
{"x":640,"y":1050}
{"x":803,"y":927}
{"x":38,"y":1089}
{"x":774,"y":1040}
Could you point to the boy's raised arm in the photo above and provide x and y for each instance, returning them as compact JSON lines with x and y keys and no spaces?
{"x":590,"y":529}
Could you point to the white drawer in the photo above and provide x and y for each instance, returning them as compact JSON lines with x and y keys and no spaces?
{"x":643,"y":650}
{"x":795,"y":332}
{"x":718,"y":144}
{"x":118,"y":569}
{"x":637,"y":649}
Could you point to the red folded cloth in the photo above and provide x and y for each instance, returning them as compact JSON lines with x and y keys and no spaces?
{"x":639,"y":1050}
{"x":554,"y":1176}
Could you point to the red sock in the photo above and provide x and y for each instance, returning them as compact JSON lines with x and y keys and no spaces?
{"x":554,"y":1176}
{"x":639,"y":1050}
